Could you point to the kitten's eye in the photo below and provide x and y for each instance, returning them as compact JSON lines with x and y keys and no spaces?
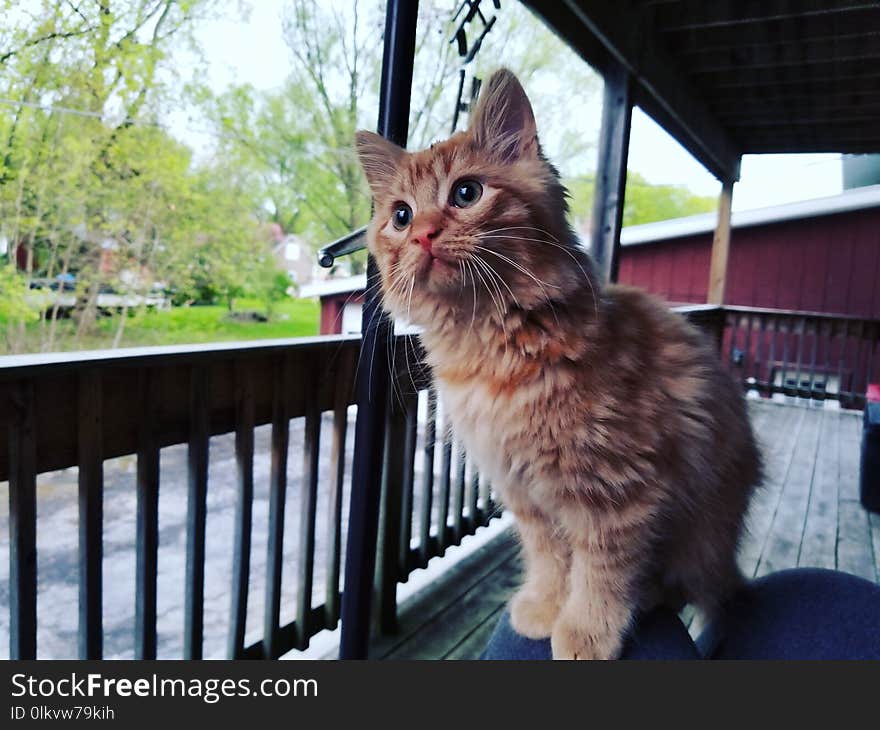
{"x":466,"y":193}
{"x":402,"y":216}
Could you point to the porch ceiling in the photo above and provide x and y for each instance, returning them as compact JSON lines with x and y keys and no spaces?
{"x":738,"y":77}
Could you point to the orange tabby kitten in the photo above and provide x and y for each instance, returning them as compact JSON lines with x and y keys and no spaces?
{"x":603,"y":418}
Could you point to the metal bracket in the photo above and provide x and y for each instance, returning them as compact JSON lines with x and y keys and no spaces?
{"x":349,"y":243}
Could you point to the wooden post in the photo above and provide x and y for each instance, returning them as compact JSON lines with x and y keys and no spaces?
{"x":23,"y":525}
{"x":390,"y":519}
{"x":198,"y":450}
{"x":147,"y":515}
{"x":277,"y":500}
{"x":91,"y":514}
{"x":611,"y":172}
{"x":720,"y":246}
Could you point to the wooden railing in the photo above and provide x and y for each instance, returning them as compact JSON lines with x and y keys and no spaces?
{"x":803,"y":354}
{"x":424,"y":513}
{"x":80,"y":409}
{"x":708,"y":317}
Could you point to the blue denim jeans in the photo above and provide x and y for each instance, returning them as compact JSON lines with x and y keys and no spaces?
{"x":794,"y":614}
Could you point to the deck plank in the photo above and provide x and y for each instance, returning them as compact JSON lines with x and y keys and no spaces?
{"x":874,"y":520}
{"x":472,"y":646}
{"x":786,"y":532}
{"x":854,"y":551}
{"x":850,"y":436}
{"x":819,"y":544}
{"x":417,"y":614}
{"x":778,"y":439}
{"x":448,"y":629}
{"x":754,"y":533}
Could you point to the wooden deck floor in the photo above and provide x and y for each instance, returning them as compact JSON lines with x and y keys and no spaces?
{"x":807,"y":514}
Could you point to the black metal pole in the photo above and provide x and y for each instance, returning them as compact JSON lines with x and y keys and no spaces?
{"x":611,"y":171}
{"x":372,"y":384}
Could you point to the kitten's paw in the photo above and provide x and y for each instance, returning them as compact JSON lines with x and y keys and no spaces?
{"x":531,"y":616}
{"x":571,"y":641}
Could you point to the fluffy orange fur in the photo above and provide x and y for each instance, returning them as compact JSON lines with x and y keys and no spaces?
{"x":604,"y":419}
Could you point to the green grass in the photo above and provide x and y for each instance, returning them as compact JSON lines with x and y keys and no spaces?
{"x":185,"y":325}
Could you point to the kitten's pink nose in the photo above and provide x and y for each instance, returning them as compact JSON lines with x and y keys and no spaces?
{"x":424,"y":234}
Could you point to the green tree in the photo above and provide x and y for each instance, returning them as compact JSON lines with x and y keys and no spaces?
{"x":90,"y":184}
{"x":296,"y":142}
{"x":15,"y":308}
{"x":219,"y":240}
{"x":643,"y":202}
{"x":272,"y":285}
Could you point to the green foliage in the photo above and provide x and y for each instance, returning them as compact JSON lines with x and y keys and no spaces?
{"x":644,"y":202}
{"x":90,"y":184}
{"x":14,"y":301}
{"x":184,"y":325}
{"x":294,"y":145}
{"x":292,"y":318}
{"x":272,"y":287}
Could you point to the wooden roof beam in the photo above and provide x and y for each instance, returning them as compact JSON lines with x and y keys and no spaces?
{"x":843,"y":117}
{"x":838,"y":146}
{"x":728,"y":13}
{"x":773,"y":35}
{"x":720,"y":247}
{"x":795,"y":103}
{"x":853,"y":131}
{"x":750,"y":79}
{"x":606,"y":32}
{"x":808,"y":53}
{"x":756,"y":65}
{"x":774,"y":92}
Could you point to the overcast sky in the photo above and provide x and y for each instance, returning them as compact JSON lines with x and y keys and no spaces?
{"x":254,"y":52}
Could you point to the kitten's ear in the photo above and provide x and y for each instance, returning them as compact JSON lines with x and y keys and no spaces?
{"x":379,"y":158}
{"x":503,"y":122}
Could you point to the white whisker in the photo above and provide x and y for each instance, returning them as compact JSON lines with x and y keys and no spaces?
{"x":518,"y":267}
{"x":474,"y":289}
{"x":562,"y":248}
{"x":523,"y":228}
{"x":408,"y":315}
{"x":493,"y":273}
{"x":539,"y":282}
{"x":379,"y":312}
{"x":497,"y":303}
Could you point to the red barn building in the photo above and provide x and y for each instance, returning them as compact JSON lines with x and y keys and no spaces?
{"x":818,"y":255}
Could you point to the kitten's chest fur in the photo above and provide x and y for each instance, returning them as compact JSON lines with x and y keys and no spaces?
{"x":507,"y":433}
{"x":520,"y":419}
{"x":616,"y":409}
